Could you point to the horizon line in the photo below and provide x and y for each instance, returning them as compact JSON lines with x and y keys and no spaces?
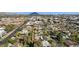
{"x":49,"y":13}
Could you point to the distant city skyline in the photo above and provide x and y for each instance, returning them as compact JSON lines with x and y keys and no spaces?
{"x":48,"y":12}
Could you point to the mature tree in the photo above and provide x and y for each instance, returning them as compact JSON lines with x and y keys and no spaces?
{"x":9,"y":27}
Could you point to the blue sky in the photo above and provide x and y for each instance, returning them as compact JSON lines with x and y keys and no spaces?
{"x":49,"y":12}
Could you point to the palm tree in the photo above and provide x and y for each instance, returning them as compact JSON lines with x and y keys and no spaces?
{"x":61,"y":39}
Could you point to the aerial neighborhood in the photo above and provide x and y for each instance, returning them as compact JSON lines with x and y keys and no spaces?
{"x":35,"y":30}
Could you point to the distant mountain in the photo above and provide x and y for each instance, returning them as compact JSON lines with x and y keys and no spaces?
{"x":34,"y":13}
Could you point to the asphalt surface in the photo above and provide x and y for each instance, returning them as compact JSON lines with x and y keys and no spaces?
{"x":11,"y":34}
